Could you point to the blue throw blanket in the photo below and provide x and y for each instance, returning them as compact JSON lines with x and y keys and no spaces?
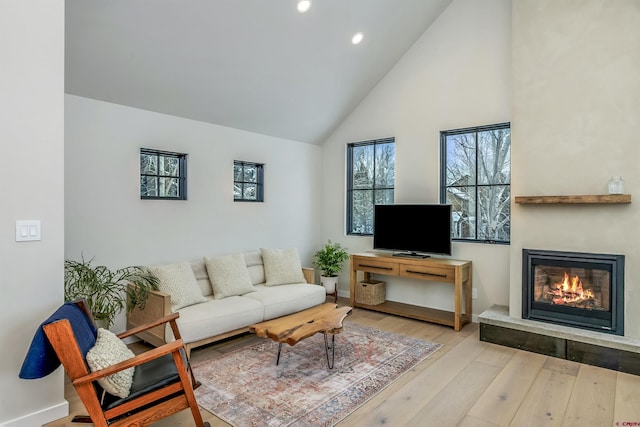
{"x":41,"y":359}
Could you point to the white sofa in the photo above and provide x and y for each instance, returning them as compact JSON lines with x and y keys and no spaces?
{"x":209,"y":315}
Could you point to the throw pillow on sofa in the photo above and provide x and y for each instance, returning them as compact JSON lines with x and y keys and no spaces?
{"x":282,"y":266}
{"x":180,"y":283}
{"x":109,"y":350}
{"x":228,"y":276}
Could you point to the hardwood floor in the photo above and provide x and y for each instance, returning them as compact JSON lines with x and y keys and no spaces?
{"x":467,"y":383}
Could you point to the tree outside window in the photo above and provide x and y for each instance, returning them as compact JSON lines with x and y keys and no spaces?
{"x":476,"y":182}
{"x":163,"y":175}
{"x":248,"y":181}
{"x":370,"y":181}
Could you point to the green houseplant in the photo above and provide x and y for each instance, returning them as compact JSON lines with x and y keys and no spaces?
{"x":107,"y":292}
{"x":330,"y":260}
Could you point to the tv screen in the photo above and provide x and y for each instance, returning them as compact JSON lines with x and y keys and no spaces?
{"x":414,"y":229}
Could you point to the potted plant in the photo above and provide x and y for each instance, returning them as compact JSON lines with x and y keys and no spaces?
{"x":329,"y":260}
{"x":107,"y":292}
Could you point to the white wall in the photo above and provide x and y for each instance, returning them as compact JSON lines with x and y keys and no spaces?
{"x":575,"y":124}
{"x":31,"y":183}
{"x":106,"y":219}
{"x":456,"y":75}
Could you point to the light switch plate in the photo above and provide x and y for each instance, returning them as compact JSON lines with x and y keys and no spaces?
{"x":28,"y":231}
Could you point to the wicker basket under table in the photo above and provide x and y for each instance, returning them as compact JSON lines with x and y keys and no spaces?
{"x":370,"y":293}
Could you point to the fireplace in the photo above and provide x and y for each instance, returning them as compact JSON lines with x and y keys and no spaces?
{"x":583,"y":290}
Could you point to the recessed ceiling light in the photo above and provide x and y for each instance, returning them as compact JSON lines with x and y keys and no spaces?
{"x":304,"y":5}
{"x":357,"y":38}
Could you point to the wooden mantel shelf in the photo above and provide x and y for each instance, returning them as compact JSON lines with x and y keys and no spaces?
{"x":586,"y":199}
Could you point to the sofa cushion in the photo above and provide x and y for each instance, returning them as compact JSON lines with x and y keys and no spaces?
{"x":228,"y":275}
{"x":286,"y":299}
{"x":108,"y":351}
{"x":214,"y":317}
{"x":255,"y":267}
{"x":282,"y":266}
{"x":202,"y":277}
{"x":179,"y":282}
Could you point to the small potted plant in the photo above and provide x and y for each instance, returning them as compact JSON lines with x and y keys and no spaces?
{"x":107,"y":292}
{"x":330,"y":260}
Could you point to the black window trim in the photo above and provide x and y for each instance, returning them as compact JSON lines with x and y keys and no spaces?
{"x":259,"y":181}
{"x":349,"y":203}
{"x":182,"y":173}
{"x":443,"y":176}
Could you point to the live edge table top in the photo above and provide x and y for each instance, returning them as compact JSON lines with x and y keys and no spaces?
{"x":326,"y":318}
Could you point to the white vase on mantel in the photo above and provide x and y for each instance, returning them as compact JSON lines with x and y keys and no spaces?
{"x":329,"y":283}
{"x":616,"y":185}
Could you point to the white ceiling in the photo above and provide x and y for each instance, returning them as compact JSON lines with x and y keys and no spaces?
{"x":256,"y":65}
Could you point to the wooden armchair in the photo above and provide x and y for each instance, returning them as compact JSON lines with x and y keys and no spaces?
{"x":163,"y":383}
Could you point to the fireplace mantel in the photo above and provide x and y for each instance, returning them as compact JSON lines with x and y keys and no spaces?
{"x":581,"y":199}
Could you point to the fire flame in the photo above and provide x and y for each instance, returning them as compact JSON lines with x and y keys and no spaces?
{"x":570,"y":290}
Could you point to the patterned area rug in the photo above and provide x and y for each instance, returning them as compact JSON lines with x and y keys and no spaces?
{"x":246,"y":388}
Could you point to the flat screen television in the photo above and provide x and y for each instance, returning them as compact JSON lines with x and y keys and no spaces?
{"x":413,"y":229}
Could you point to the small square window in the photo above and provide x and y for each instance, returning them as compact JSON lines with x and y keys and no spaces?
{"x":248,"y":181}
{"x":163,"y":175}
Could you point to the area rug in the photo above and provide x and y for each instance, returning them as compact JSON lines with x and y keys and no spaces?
{"x":246,"y":388}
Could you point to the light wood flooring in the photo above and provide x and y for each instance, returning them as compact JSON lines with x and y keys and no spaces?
{"x":467,"y":383}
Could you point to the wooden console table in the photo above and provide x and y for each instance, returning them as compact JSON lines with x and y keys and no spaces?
{"x":453,"y":271}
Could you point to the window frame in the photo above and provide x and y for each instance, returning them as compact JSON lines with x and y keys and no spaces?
{"x":181,"y":177}
{"x":259,"y":181}
{"x":350,"y":183}
{"x":443,"y":176}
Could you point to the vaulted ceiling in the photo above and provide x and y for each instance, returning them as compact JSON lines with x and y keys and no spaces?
{"x":256,"y":65}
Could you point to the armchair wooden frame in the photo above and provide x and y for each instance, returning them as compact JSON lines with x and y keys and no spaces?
{"x":141,"y":410}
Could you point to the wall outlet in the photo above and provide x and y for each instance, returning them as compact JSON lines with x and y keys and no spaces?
{"x":474,"y":293}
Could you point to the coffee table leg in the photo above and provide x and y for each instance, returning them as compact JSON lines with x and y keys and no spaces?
{"x":331,"y":347}
{"x":279,"y":350}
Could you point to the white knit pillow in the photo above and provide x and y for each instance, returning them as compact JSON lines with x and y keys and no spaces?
{"x":228,"y":276}
{"x":282,"y":266}
{"x":109,"y":350}
{"x":180,"y":283}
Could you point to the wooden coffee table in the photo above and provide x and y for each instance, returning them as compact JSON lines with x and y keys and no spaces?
{"x":326,"y":318}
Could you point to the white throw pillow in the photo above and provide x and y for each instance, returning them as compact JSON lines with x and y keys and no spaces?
{"x":282,"y":266}
{"x":180,"y":283}
{"x":228,"y":276}
{"x":109,"y":350}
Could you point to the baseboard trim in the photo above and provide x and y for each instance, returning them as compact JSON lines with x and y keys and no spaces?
{"x":40,"y":417}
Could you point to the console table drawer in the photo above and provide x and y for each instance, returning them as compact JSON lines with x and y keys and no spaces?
{"x":375,"y":266}
{"x":428,"y":273}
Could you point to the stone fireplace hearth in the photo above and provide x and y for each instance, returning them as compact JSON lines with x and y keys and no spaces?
{"x":572,"y":308}
{"x":609,"y":351}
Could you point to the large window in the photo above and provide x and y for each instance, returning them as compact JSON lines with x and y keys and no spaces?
{"x":248,"y":181}
{"x":476,"y":181}
{"x":370,"y":181}
{"x":163,"y":175}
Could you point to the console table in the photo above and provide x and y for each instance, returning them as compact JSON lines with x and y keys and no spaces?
{"x":453,"y":271}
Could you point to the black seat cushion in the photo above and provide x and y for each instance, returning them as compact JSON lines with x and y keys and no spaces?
{"x":150,"y":376}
